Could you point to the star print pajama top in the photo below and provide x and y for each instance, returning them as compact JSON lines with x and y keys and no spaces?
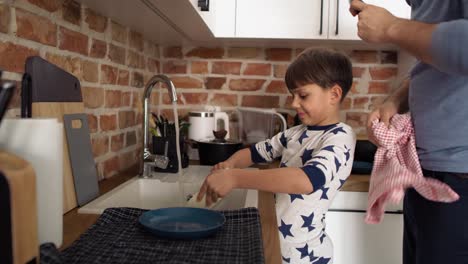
{"x":325,"y":154}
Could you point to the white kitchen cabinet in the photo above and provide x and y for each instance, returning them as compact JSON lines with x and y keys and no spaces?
{"x":304,"y":19}
{"x":292,"y":19}
{"x":344,"y":26}
{"x":220,"y":17}
{"x":355,"y":242}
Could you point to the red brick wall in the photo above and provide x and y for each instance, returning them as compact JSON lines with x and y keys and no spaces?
{"x":113,"y":63}
{"x":231,"y":76}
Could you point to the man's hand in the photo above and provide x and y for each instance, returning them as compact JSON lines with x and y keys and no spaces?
{"x":217,"y":185}
{"x":382,"y":114}
{"x":374,"y":22}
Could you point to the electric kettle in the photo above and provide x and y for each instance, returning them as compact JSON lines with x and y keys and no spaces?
{"x":203,"y":123}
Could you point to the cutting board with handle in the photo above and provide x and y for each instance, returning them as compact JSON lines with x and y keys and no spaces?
{"x":54,"y":93}
{"x":81,"y":157}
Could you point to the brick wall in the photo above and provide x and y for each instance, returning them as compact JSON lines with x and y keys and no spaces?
{"x":113,"y":63}
{"x":254,"y":77}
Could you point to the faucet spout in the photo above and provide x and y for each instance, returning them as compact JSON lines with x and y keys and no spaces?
{"x":148,"y":157}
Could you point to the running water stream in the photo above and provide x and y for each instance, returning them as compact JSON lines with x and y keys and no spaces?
{"x":182,"y":195}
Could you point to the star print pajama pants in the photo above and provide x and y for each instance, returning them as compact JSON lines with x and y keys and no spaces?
{"x":315,"y":252}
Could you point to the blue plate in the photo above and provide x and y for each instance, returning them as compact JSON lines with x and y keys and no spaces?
{"x":182,"y":222}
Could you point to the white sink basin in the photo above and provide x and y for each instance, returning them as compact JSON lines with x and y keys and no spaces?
{"x":164,"y":191}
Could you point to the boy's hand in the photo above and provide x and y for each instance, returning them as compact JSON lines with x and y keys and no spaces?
{"x":374,"y":22}
{"x":217,"y":185}
{"x":382,"y":114}
{"x":222,"y":166}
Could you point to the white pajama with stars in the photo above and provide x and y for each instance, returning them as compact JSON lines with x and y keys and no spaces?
{"x":325,"y":154}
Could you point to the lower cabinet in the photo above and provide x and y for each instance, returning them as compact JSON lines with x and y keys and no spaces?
{"x":355,"y":242}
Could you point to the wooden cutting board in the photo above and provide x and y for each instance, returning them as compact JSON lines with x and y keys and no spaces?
{"x":57,"y":110}
{"x":21,"y":182}
{"x":54,"y":93}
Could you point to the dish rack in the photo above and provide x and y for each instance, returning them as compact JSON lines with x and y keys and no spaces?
{"x":257,"y":124}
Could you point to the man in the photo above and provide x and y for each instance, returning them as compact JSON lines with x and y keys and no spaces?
{"x":437,"y":92}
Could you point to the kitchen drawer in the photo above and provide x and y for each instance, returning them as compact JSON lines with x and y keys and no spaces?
{"x":355,"y":242}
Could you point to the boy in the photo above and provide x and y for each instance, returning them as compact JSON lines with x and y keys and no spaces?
{"x":316,"y":158}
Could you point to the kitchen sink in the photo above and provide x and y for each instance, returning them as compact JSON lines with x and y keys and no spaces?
{"x":164,"y":190}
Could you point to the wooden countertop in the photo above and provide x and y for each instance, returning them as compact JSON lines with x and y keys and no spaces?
{"x":75,"y":224}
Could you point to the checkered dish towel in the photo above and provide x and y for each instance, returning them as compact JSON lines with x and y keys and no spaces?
{"x":396,"y":168}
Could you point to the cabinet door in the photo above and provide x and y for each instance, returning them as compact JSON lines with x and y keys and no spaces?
{"x":355,"y":242}
{"x":344,"y":26}
{"x":220,"y":18}
{"x":291,"y":19}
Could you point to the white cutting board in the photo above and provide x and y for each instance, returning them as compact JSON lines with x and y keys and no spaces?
{"x":39,"y":141}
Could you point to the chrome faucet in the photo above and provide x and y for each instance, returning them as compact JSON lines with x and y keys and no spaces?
{"x":151,"y":160}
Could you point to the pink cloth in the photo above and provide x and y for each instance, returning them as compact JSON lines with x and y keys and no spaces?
{"x":396,"y":168}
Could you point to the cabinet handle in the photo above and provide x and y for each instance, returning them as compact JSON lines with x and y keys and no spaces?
{"x":204,"y":5}
{"x":321,"y":17}
{"x":337,"y":17}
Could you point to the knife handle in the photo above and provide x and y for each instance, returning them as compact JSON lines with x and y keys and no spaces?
{"x":5,"y":96}
{"x":26,"y":96}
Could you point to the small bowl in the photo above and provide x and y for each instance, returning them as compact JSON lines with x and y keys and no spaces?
{"x":220,"y":134}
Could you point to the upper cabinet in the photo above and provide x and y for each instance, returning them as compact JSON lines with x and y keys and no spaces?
{"x":218,"y":15}
{"x":292,"y":19}
{"x":303,"y":19}
{"x":268,"y":21}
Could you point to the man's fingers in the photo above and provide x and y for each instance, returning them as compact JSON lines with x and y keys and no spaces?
{"x":358,"y":5}
{"x":371,"y":117}
{"x":386,"y":118}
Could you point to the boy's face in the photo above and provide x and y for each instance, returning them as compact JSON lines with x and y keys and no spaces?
{"x":315,"y":105}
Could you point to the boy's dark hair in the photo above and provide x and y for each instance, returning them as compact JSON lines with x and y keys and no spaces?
{"x":323,"y":67}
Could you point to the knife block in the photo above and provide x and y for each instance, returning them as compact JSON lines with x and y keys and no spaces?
{"x":18,"y":211}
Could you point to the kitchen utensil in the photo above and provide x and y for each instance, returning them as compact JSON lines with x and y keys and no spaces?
{"x":182,"y":222}
{"x":212,"y":152}
{"x":161,"y":161}
{"x":203,"y":123}
{"x":220,"y":134}
{"x":165,"y":151}
{"x":256,"y":124}
{"x":39,"y":141}
{"x":6,"y":93}
{"x":18,"y":210}
{"x":55,"y":92}
{"x":85,"y":176}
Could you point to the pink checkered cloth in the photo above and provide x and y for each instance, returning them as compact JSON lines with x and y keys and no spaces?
{"x":396,"y":168}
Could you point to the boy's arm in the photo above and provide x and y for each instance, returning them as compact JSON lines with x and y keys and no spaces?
{"x":264,"y":151}
{"x":280,"y":180}
{"x":241,"y":159}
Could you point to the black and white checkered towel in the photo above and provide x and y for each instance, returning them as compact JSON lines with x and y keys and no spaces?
{"x":117,"y":237}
